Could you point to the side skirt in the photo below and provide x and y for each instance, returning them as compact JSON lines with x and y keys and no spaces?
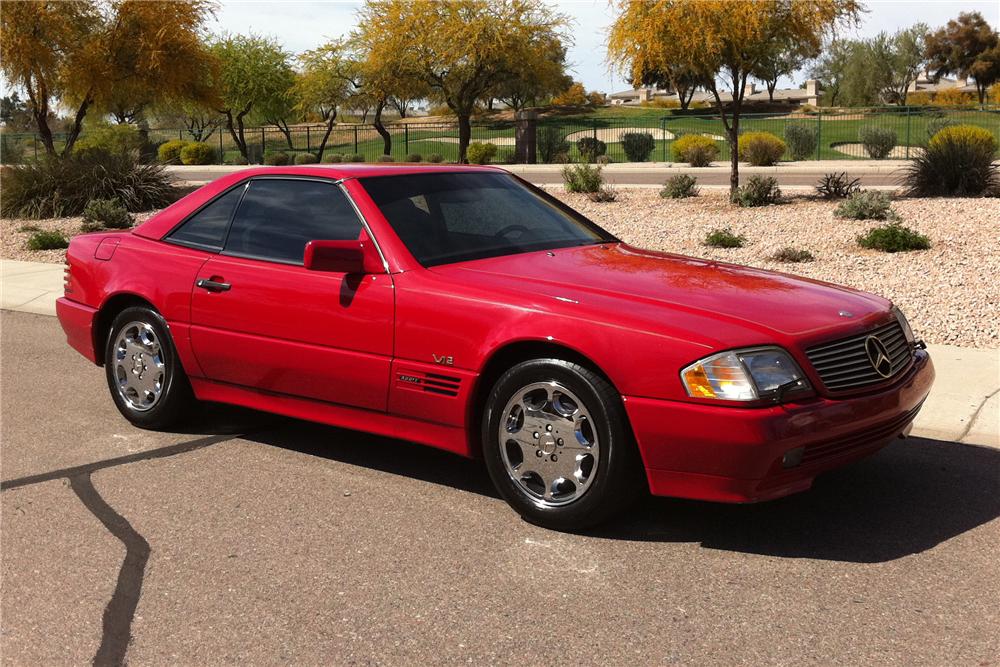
{"x":450,"y":438}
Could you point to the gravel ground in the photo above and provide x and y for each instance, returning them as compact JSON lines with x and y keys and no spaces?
{"x":949,"y":292}
{"x":14,"y":235}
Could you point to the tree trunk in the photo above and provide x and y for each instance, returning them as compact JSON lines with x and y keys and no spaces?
{"x":464,"y":134}
{"x":734,"y":159}
{"x":380,"y":128}
{"x":235,"y":127}
{"x":771,"y":85}
{"x":330,"y":122}
{"x":74,"y":133}
{"x":41,"y":117}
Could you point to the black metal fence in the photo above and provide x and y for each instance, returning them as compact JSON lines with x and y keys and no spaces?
{"x":838,"y":136}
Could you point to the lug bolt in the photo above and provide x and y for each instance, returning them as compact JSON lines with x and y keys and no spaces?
{"x":554,"y":458}
{"x":548,"y":427}
{"x":559,"y":442}
{"x":538,"y":453}
{"x":535,"y":434}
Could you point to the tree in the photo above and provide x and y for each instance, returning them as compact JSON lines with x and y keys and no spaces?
{"x":461,"y":49}
{"x":574,"y":96}
{"x":831,"y":69}
{"x":14,"y":112}
{"x":896,"y":61}
{"x":781,"y":63}
{"x":718,"y":39}
{"x":965,"y":46}
{"x":85,"y":54}
{"x":534,"y":81}
{"x":253,"y":74}
{"x":324,"y":84}
{"x":281,"y":106}
{"x":677,"y":78}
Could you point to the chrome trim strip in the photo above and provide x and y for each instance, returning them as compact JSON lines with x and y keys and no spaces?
{"x":364,"y":223}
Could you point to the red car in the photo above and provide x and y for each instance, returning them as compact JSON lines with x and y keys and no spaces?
{"x":463,"y":308}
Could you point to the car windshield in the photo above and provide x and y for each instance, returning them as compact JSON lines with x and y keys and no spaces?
{"x":454,"y":217}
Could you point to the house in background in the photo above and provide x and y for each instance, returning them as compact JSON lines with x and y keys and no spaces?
{"x":810,"y":94}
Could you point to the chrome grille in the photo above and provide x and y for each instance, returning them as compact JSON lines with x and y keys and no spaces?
{"x":844,"y":364}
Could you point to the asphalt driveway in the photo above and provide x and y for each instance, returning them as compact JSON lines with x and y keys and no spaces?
{"x":256,"y":539}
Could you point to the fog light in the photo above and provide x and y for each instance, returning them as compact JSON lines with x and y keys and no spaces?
{"x":792,"y":457}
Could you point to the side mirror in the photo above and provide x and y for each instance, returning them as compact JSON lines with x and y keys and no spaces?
{"x":336,"y":256}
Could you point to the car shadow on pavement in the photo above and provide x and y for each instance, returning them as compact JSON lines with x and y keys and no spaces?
{"x":906,"y":499}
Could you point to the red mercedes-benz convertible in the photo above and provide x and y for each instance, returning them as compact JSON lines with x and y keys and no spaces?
{"x":463,"y":308}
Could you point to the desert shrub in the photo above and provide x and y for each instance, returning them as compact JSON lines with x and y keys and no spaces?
{"x":197,"y":152}
{"x":305,"y":158}
{"x":105,"y":214}
{"x":919,"y":99}
{"x":837,"y":186}
{"x":237,"y":159}
{"x":385,"y":158}
{"x":356,"y":157}
{"x":603,"y":159}
{"x":582,"y":178}
{"x":561,"y":158}
{"x":276,"y":158}
{"x":802,"y":140}
{"x":724,"y":238}
{"x":878,"y":142}
{"x":866,"y":205}
{"x":56,"y":187}
{"x":761,"y":149}
{"x":994,"y":93}
{"x":49,"y":240}
{"x":591,"y":148}
{"x":958,"y":161}
{"x":414,"y":157}
{"x":605,"y":193}
{"x":550,"y":143}
{"x":758,"y":191}
{"x":435,"y":158}
{"x":506,"y":156}
{"x":333,"y":158}
{"x":480,"y":153}
{"x":935,"y":125}
{"x":668,"y":103}
{"x":169,"y":152}
{"x":680,"y":186}
{"x":122,"y":138}
{"x":12,"y":151}
{"x":953,"y":97}
{"x":893,"y":237}
{"x":695,"y":149}
{"x":637,"y":145}
{"x":791,"y":255}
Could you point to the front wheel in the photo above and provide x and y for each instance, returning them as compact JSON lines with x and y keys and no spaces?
{"x":145,"y":376}
{"x":557,"y":445}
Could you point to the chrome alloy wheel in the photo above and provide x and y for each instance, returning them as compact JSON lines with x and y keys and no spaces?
{"x":549,"y":444}
{"x":139,"y":369}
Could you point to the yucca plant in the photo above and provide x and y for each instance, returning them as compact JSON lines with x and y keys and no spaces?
{"x":958,"y":161}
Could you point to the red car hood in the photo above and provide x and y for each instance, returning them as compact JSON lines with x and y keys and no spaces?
{"x":643,"y":279}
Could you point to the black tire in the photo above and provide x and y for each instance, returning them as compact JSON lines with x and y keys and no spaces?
{"x":618,"y":478}
{"x":175,"y":398}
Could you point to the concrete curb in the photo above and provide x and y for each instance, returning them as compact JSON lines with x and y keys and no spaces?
{"x":963,"y":407}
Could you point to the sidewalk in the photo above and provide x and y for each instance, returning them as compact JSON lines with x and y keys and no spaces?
{"x":964,"y":405}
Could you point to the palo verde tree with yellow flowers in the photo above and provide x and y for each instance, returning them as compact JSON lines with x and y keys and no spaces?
{"x":722,"y":42}
{"x":461,"y":49}
{"x":104,"y":55}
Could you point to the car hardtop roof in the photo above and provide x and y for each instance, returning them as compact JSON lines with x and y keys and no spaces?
{"x":342,"y":171}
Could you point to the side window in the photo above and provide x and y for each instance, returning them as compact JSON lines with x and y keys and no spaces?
{"x":279,"y":216}
{"x":207,"y":227}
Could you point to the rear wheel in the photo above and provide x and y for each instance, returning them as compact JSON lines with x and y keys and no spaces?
{"x":557,"y":444}
{"x":145,"y":377}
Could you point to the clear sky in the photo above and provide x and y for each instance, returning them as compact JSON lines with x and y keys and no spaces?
{"x":303,"y":24}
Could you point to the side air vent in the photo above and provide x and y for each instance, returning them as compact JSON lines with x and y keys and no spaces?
{"x":431,"y":383}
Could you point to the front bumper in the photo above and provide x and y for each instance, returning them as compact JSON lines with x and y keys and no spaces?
{"x":77,"y":321}
{"x":736,"y":454}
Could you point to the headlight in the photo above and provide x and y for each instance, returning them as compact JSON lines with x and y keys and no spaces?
{"x":744,"y":375}
{"x":907,"y":331}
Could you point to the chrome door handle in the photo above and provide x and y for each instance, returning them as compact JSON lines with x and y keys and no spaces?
{"x":212,"y":285}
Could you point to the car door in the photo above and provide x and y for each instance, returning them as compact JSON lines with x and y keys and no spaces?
{"x":260,"y":319}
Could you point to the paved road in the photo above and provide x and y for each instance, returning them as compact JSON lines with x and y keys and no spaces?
{"x":644,"y":176}
{"x":254,"y":539}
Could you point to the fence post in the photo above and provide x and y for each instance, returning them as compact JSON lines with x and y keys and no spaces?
{"x":308,"y":141}
{"x":663,"y":138}
{"x":819,"y":133}
{"x":526,"y":137}
{"x":406,"y":139}
{"x":263,"y":144}
{"x":222,"y":155}
{"x":907,"y":132}
{"x":355,"y":139}
{"x":180,"y":135}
